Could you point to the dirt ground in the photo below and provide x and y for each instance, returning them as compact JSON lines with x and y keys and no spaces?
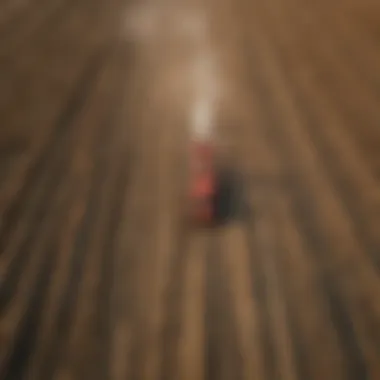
{"x":101,"y":276}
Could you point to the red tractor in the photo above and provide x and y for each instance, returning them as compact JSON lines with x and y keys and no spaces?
{"x":212,"y":189}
